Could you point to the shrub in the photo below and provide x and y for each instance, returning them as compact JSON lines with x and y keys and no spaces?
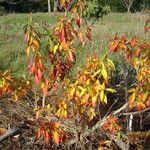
{"x":95,"y":9}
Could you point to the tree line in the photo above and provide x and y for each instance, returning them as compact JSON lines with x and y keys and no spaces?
{"x":26,"y":6}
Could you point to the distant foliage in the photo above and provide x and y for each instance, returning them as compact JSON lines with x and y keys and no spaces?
{"x":2,"y":11}
{"x":95,"y":9}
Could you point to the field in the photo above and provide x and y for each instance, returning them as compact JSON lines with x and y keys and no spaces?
{"x":12,"y":44}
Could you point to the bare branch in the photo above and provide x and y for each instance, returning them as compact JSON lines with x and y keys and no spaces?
{"x":98,"y":125}
{"x":136,"y":112}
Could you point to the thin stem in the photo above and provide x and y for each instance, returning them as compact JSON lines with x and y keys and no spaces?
{"x":43,"y":101}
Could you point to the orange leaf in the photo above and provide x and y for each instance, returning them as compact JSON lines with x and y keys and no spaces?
{"x":56,"y":137}
{"x":81,"y":38}
{"x":88,"y":33}
{"x":71,"y":56}
{"x":47,"y":137}
{"x":2,"y":131}
{"x":133,"y":41}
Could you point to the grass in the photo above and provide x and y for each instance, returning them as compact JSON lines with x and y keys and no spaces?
{"x":12,"y":45}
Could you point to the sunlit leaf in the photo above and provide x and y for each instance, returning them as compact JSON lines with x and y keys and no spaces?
{"x":105,"y":99}
{"x":56,"y":137}
{"x":110,"y":64}
{"x":72,"y":92}
{"x":132,"y":97}
{"x":104,"y":72}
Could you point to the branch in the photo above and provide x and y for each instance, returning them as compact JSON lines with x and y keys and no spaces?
{"x":136,"y":112}
{"x":10,"y":132}
{"x":16,"y":130}
{"x":14,"y":3}
{"x":98,"y":125}
{"x":120,"y":143}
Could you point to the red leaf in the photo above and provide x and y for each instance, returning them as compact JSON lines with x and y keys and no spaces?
{"x":38,"y":134}
{"x":78,"y":22}
{"x":36,"y":79}
{"x":113,"y":47}
{"x":47,"y":137}
{"x":62,"y":36}
{"x":51,"y":57}
{"x":39,"y":74}
{"x":56,"y":85}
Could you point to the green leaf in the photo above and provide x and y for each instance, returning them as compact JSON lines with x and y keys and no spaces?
{"x":110,"y":64}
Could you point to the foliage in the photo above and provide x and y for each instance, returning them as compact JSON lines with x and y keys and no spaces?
{"x":2,"y":11}
{"x":41,"y":5}
{"x":76,"y":114}
{"x":95,"y":9}
{"x":137,"y":53}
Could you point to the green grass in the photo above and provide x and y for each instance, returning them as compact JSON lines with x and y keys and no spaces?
{"x":12,"y":45}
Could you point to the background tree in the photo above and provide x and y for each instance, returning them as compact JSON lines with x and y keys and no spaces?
{"x":127,"y":4}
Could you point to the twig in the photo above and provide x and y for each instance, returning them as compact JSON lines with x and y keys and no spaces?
{"x":98,"y":125}
{"x":136,"y":112}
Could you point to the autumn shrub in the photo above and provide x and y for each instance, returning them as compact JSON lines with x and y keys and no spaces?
{"x":73,"y":112}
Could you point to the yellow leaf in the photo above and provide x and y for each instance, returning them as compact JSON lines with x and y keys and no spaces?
{"x":28,"y":51}
{"x":64,"y":114}
{"x":110,"y":64}
{"x":72,"y":91}
{"x":131,"y":90}
{"x":55,"y":48}
{"x":30,"y":41}
{"x":104,"y":72}
{"x":145,"y":96}
{"x":96,"y":73}
{"x":102,"y":95}
{"x":82,"y":90}
{"x":105,"y":99}
{"x":91,"y":113}
{"x":38,"y":113}
{"x":132,"y":97}
{"x":94,"y":101}
{"x":102,"y":86}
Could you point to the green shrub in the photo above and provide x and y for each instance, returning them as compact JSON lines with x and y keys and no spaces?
{"x":2,"y":10}
{"x":95,"y":9}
